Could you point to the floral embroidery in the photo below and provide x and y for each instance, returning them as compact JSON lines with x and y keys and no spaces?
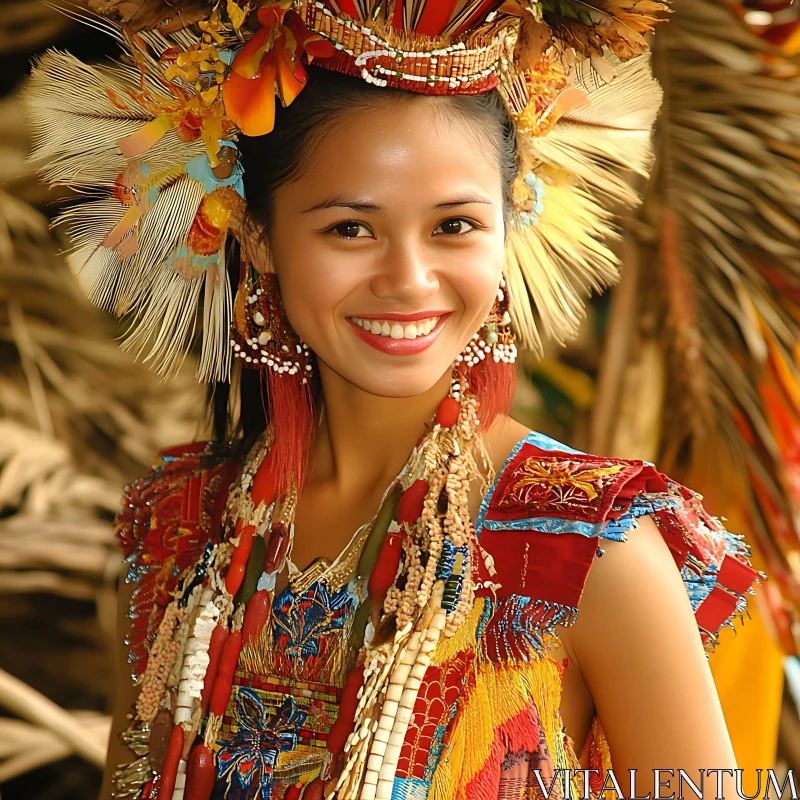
{"x":247,"y":760}
{"x":557,"y":482}
{"x":306,"y":626}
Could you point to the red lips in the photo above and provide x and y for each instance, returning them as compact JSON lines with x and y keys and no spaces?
{"x":401,"y":347}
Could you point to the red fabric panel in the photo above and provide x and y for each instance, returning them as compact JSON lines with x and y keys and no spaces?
{"x":397,"y":22}
{"x":349,"y":7}
{"x":441,"y":687}
{"x":720,"y":604}
{"x":714,"y":610}
{"x":190,"y":507}
{"x":544,"y":566}
{"x":735,"y":575}
{"x":540,"y":483}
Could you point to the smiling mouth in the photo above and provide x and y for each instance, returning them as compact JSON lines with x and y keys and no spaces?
{"x":406,"y":336}
{"x":395,"y":329}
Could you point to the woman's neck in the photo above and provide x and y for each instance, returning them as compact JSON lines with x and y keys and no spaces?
{"x":363,"y":440}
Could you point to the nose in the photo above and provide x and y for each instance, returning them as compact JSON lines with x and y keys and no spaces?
{"x":405,"y":275}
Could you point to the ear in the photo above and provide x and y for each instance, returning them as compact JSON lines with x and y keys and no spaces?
{"x":252,"y":238}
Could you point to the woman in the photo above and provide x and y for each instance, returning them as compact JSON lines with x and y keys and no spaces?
{"x":373,"y":582}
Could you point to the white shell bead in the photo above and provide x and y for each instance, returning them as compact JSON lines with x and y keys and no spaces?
{"x":379,"y":749}
{"x":394,"y":692}
{"x":387,"y":772}
{"x":382,"y":734}
{"x":390,"y":708}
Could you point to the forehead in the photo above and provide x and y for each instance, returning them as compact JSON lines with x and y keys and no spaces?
{"x":398,"y":146}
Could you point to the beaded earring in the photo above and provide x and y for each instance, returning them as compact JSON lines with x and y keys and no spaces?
{"x":261,"y":334}
{"x":262,"y":337}
{"x":495,"y":338}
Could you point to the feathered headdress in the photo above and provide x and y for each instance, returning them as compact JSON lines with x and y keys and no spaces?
{"x":152,"y":142}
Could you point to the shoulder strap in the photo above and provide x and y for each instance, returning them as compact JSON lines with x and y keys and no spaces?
{"x":544,"y":518}
{"x":168,"y":517}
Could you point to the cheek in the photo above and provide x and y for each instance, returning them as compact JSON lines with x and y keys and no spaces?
{"x":313,"y":283}
{"x":475,"y":279}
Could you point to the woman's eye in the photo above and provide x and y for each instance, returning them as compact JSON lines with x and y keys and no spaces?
{"x":454,"y":227}
{"x":350,"y":230}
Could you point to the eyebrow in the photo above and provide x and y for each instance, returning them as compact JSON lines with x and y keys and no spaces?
{"x":372,"y":208}
{"x":465,"y":200}
{"x":343,"y":202}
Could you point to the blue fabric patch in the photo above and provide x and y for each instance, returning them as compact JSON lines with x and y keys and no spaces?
{"x":199,"y":169}
{"x":410,"y":789}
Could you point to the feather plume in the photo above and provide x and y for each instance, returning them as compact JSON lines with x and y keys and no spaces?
{"x":727,"y":200}
{"x":585,"y":162}
{"x":618,"y":25}
{"x":130,"y":230}
{"x":135,"y":153}
{"x":79,"y":112}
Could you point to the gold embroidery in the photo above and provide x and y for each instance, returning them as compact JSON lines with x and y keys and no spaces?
{"x":560,"y":480}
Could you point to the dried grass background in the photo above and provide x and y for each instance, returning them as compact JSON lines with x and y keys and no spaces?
{"x":78,"y":419}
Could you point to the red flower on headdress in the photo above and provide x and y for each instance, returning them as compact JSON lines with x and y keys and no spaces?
{"x":270,"y":63}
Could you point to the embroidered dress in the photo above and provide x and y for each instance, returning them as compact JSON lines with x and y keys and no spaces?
{"x":286,"y":694}
{"x":485,"y":722}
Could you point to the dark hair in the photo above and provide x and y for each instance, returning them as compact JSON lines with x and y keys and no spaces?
{"x":271,"y":161}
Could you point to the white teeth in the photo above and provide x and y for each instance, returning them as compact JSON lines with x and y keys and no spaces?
{"x":396,"y":329}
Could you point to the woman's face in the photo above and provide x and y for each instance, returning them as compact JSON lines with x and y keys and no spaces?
{"x":389,"y":247}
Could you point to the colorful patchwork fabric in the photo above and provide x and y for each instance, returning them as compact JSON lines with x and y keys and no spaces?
{"x":286,"y":695}
{"x":486,"y":723}
{"x":549,"y":510}
{"x":169,"y":519}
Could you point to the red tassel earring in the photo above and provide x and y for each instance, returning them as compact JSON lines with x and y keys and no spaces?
{"x":487,"y":361}
{"x":263,"y":339}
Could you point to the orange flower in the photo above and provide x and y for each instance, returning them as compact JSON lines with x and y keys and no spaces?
{"x":270,"y":63}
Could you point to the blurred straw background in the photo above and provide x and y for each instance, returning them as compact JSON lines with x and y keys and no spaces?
{"x":684,"y":354}
{"x":78,"y":419}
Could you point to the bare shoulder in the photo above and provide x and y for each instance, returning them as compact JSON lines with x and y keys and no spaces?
{"x":633,"y":602}
{"x":501,"y":439}
{"x":638,"y":647}
{"x":633,"y":588}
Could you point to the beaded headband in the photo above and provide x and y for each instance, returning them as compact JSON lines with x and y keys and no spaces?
{"x":151,"y":143}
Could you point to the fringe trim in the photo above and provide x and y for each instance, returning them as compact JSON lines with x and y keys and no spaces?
{"x":519,"y":733}
{"x":520,"y":628}
{"x":599,"y":759}
{"x":466,"y":636}
{"x":501,"y":702}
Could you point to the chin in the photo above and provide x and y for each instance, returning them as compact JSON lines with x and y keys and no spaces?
{"x":397,"y":383}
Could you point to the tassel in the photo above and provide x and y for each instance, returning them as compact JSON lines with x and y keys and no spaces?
{"x":493,"y":384}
